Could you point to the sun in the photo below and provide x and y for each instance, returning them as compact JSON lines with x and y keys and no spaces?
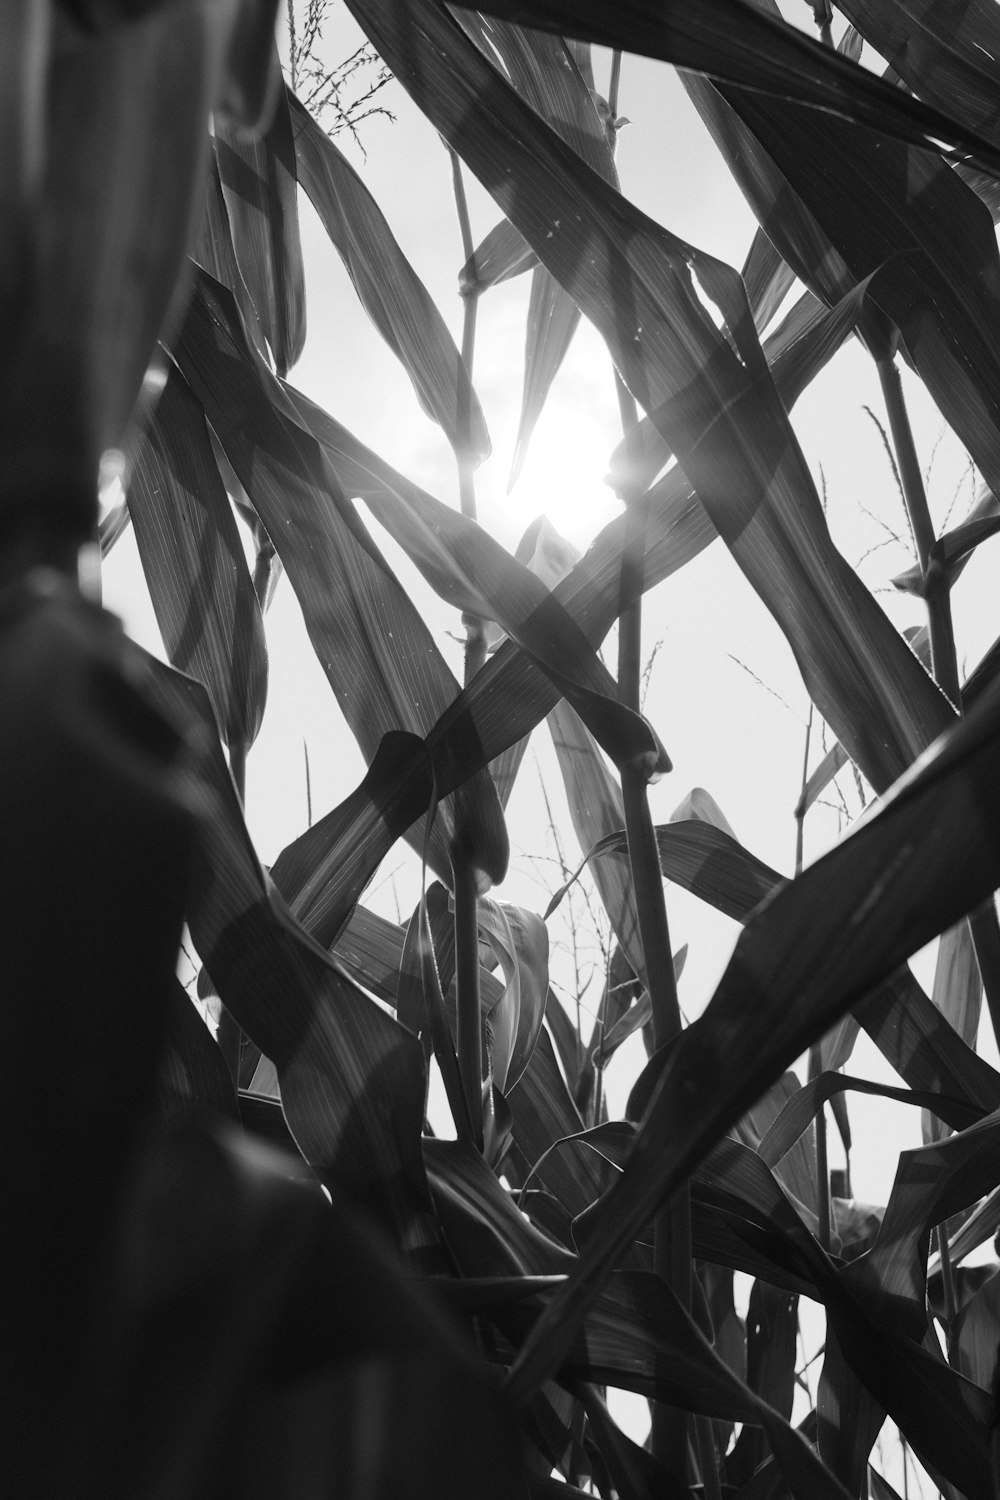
{"x":562,"y":478}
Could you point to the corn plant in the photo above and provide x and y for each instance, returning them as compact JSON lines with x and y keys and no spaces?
{"x":246,"y":1263}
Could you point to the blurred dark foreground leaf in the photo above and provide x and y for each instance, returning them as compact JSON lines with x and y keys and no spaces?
{"x":248,"y":1332}
{"x":99,"y":841}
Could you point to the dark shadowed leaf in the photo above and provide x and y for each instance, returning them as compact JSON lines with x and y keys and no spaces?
{"x":733,"y":40}
{"x":802,"y":1107}
{"x":976,"y":1335}
{"x":958,"y":995}
{"x":520,"y":941}
{"x":194,"y":1080}
{"x":944,"y":53}
{"x":901,"y":216}
{"x":195,"y":569}
{"x":259,"y":182}
{"x":115,"y":200}
{"x":390,"y":291}
{"x":351,"y":1078}
{"x":702,"y":859}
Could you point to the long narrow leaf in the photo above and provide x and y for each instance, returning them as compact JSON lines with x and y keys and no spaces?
{"x":197,"y":575}
{"x":390,"y":291}
{"x":259,"y":181}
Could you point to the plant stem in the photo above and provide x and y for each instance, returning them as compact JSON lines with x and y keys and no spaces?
{"x":935,"y":581}
{"x":944,"y":658}
{"x":800,"y":814}
{"x":711,"y":1487}
{"x":230,"y":1034}
{"x":468,"y":1039}
{"x":475,"y":628}
{"x":947,"y":1288}
{"x":822,"y":1165}
{"x":672,"y":1226}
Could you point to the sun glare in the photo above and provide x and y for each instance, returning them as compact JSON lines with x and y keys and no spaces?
{"x":562,"y":478}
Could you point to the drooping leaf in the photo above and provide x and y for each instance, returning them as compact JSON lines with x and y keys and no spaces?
{"x":389,"y":289}
{"x":259,"y":181}
{"x":193,"y":560}
{"x":702,"y":859}
{"x":801,"y":1108}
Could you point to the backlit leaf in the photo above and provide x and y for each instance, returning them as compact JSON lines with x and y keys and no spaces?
{"x":390,"y":291}
{"x":259,"y":181}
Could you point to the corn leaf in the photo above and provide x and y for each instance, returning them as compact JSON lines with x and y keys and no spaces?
{"x":702,"y":859}
{"x":903,"y":217}
{"x":194,"y":1080}
{"x":803,"y":1105}
{"x":958,"y":995}
{"x":862,"y":888}
{"x":351,"y":1078}
{"x":543,"y":72}
{"x":323,"y":872}
{"x":595,"y":806}
{"x":119,"y":145}
{"x":633,"y":280}
{"x":944,"y":53}
{"x":502,"y":255}
{"x":103,"y":844}
{"x":520,"y":941}
{"x":378,"y":654}
{"x":474,"y":573}
{"x":976,"y":1335}
{"x":390,"y":291}
{"x":216,"y":253}
{"x":737,"y":42}
{"x":193,"y":560}
{"x":552,"y":321}
{"x":259,"y":181}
